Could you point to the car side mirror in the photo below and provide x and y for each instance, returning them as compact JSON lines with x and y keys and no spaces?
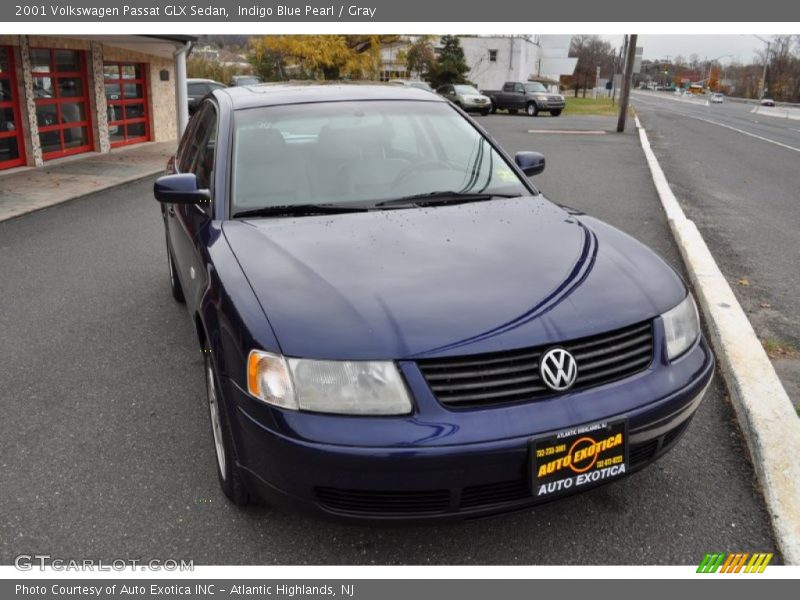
{"x":180,"y":188}
{"x":531,"y":163}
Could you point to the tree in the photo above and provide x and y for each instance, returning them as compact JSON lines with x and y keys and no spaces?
{"x":450,"y":66}
{"x":420,"y":57}
{"x":591,"y":52}
{"x":201,"y":68}
{"x":282,"y":57}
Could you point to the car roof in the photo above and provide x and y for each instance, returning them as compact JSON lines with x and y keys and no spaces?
{"x":270,"y":94}
{"x":200,"y":80}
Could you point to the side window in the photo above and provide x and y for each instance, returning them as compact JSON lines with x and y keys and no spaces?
{"x":203,"y":165}
{"x":197,"y":89}
{"x":200,"y":125}
{"x":508,"y":87}
{"x":518,"y":88}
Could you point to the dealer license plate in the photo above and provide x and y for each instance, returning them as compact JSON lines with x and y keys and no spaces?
{"x":578,"y":458}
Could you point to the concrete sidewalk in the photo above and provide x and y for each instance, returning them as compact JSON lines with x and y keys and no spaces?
{"x":29,"y":189}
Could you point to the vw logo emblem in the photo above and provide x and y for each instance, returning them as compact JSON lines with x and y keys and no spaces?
{"x":558,"y":369}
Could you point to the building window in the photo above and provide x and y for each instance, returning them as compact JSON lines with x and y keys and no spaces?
{"x":126,"y":97}
{"x":11,"y":144}
{"x":62,"y":101}
{"x":492,"y":55}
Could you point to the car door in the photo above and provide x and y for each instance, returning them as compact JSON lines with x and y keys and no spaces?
{"x":186,"y":221}
{"x":519,"y":95}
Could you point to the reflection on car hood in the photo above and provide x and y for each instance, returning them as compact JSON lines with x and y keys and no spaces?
{"x":459,"y":279}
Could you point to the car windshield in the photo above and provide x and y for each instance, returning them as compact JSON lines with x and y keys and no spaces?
{"x":247,"y":80}
{"x":535,"y":87}
{"x":421,"y":85}
{"x":465,"y":89}
{"x":369,"y":151}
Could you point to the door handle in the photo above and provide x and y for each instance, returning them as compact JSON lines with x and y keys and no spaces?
{"x":171,"y":210}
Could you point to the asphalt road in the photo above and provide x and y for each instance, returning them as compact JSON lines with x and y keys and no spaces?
{"x":105,"y":447}
{"x":736,"y":175}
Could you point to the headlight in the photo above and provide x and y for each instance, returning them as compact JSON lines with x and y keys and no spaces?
{"x":542,"y":97}
{"x":681,"y":326}
{"x":330,"y":386}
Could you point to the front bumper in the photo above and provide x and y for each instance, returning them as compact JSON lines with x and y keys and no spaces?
{"x":551,"y":104}
{"x":298,"y":461}
{"x":477,"y":105}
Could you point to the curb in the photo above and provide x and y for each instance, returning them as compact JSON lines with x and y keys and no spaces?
{"x":131,"y":179}
{"x":765,"y":413}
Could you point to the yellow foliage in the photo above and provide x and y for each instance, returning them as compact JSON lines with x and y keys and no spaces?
{"x":323,"y":56}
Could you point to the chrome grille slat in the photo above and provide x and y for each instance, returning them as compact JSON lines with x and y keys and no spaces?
{"x":513,"y":376}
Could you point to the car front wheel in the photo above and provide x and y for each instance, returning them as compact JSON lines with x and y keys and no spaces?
{"x":532,"y":109}
{"x":230,"y":477}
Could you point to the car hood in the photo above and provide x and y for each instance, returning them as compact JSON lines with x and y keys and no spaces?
{"x":467,"y":278}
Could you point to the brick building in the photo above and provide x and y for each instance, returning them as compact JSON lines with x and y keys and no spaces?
{"x":63,"y":95}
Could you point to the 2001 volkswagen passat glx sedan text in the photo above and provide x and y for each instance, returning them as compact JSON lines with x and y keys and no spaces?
{"x":396,"y":324}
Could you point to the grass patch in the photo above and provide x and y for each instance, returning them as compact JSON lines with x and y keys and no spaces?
{"x":776,"y":348}
{"x":587,"y":106}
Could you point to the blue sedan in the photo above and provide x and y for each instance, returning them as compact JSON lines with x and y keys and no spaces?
{"x":396,"y":323}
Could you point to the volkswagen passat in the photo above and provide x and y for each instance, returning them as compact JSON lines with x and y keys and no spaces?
{"x":397,"y":324}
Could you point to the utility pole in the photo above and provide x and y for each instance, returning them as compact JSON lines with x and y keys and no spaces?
{"x":762,"y":91}
{"x":626,"y":82}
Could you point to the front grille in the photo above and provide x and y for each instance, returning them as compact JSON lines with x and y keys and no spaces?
{"x":383,"y":502}
{"x":513,"y":376}
{"x":495,"y":493}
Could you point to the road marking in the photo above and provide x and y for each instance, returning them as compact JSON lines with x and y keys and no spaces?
{"x":731,"y":127}
{"x":763,"y":409}
{"x":569,"y":131}
{"x":758,"y":137}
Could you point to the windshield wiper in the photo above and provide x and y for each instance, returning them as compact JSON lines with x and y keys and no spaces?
{"x":442,"y":198}
{"x":300,"y":210}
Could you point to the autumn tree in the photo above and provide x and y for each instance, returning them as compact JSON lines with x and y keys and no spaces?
{"x":450,"y":66}
{"x":282,"y":57}
{"x":420,"y":57}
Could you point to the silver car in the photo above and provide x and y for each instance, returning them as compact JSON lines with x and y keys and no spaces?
{"x":466,"y":97}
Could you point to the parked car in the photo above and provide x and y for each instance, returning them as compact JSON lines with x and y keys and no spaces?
{"x":717,"y":98}
{"x":197,"y":90}
{"x":396,"y":324}
{"x":466,"y":97}
{"x":238,"y":80}
{"x":423,"y":85}
{"x":531,"y":96}
{"x":767,"y":102}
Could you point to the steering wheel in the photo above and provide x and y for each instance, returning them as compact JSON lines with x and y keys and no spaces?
{"x":421,"y":167}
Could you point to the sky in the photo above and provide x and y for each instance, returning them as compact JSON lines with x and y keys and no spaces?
{"x":743,"y":48}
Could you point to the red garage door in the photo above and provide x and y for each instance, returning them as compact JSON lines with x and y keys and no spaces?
{"x":11,"y":144}
{"x":62,"y":101}
{"x":126,"y":96}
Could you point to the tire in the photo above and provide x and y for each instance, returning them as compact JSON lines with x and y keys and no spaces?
{"x":486,"y":111}
{"x":555,"y":113}
{"x":512,"y":111}
{"x":229,"y":475}
{"x":493,"y":109}
{"x":531,"y":109}
{"x":174,"y":282}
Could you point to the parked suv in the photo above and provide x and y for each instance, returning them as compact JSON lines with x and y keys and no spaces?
{"x":466,"y":97}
